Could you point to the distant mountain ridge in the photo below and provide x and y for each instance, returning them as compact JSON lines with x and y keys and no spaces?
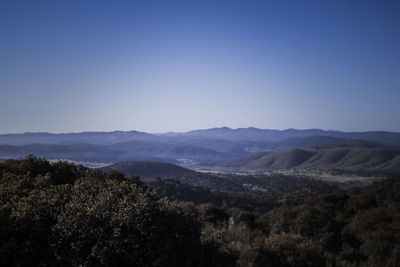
{"x":255,"y":134}
{"x":100,"y":138}
{"x":223,"y":133}
{"x":188,"y":148}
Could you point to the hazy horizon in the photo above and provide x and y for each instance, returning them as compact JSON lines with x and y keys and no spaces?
{"x":195,"y":129}
{"x":162,"y":66}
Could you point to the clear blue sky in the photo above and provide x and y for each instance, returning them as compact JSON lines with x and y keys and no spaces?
{"x":157,"y":66}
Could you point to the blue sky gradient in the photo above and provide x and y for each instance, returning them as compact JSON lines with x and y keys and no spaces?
{"x":158,"y":66}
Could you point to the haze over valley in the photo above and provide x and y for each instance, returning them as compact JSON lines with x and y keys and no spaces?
{"x":244,"y":150}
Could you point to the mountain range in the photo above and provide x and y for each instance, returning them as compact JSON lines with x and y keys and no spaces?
{"x":225,"y":146}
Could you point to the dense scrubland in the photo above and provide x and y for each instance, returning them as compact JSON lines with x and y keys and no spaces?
{"x":62,"y":214}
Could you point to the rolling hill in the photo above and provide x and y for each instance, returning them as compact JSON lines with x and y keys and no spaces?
{"x":383,"y":159}
{"x":146,"y":169}
{"x":126,"y":151}
{"x":148,"y":149}
{"x":81,"y":152}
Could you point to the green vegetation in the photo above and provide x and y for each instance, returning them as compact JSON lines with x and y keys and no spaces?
{"x":356,"y":228}
{"x":60,"y":214}
{"x":145,"y":169}
{"x":66,"y":215}
{"x":325,"y":157}
{"x":256,"y":193}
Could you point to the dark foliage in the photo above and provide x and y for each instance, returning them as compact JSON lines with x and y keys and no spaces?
{"x":65,"y":215}
{"x":258,"y":193}
{"x":145,"y":169}
{"x":60,"y":214}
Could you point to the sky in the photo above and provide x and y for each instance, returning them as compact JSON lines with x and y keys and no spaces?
{"x":159,"y":66}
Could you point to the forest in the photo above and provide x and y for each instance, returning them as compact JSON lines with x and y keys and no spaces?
{"x":61,"y":214}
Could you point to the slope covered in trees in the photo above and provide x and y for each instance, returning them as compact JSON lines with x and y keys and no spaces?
{"x":66,"y":215}
{"x":145,"y":169}
{"x":356,"y":228}
{"x":60,"y":214}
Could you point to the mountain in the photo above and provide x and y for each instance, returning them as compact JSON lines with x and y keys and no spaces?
{"x":81,"y":152}
{"x":385,"y":159}
{"x":126,"y":151}
{"x":254,"y":134}
{"x":169,"y":151}
{"x":194,"y":147}
{"x":99,"y":138}
{"x":146,"y":169}
{"x":229,"y":135}
{"x":266,"y":135}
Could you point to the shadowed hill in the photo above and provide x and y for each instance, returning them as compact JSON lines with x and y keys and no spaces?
{"x":83,"y":152}
{"x":126,"y":151}
{"x":146,"y":169}
{"x":282,"y":160}
{"x":169,"y":151}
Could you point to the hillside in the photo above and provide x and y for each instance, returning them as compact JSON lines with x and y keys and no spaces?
{"x":320,"y":142}
{"x":63,"y":215}
{"x":168,"y":151}
{"x":330,"y":158}
{"x":82,"y":152}
{"x":146,"y":169}
{"x":66,"y":215}
{"x":126,"y":151}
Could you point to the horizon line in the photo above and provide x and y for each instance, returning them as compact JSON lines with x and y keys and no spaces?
{"x":204,"y":129}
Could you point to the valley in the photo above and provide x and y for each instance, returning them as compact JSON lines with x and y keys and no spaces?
{"x":285,"y":198}
{"x":255,"y":166}
{"x":344,"y":157}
